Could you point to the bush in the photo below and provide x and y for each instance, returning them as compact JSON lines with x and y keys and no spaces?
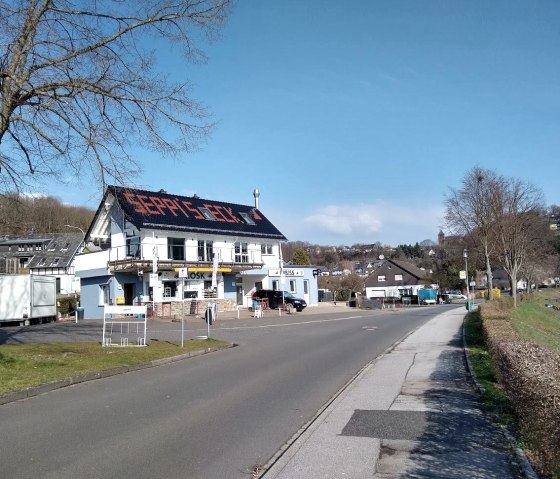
{"x":496,"y":294}
{"x":67,"y":304}
{"x":530,"y":376}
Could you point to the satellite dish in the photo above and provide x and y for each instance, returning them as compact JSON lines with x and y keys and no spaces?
{"x":381,"y":256}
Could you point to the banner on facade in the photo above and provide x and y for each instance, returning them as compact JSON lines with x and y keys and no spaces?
{"x":289,"y":272}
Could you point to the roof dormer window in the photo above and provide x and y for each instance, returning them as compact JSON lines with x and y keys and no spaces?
{"x":207,"y":214}
{"x":247,"y":218}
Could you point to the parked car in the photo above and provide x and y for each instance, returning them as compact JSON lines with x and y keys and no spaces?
{"x":274,"y":298}
{"x":456,"y":296}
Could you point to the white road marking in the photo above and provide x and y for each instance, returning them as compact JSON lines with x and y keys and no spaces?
{"x":275,"y":325}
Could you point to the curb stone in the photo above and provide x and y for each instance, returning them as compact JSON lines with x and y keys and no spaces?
{"x":520,"y":457}
{"x":93,"y":375}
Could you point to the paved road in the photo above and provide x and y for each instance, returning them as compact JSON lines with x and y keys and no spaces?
{"x":216,"y":416}
{"x":413,"y":413}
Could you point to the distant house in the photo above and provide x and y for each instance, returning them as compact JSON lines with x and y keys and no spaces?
{"x":500,"y":280}
{"x":394,"y":279}
{"x":160,"y":249}
{"x":47,"y":254}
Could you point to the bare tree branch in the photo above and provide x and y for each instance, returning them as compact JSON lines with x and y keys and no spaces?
{"x":80,"y":85}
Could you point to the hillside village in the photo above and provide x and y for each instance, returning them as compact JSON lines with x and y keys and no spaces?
{"x":340,"y":270}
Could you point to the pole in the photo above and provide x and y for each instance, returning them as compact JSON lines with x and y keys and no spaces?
{"x":208,"y":323}
{"x":465,"y":254}
{"x":154,"y":270}
{"x":183,"y":321}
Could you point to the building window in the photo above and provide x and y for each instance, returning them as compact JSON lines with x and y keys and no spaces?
{"x":381,"y":278}
{"x":247,"y":218}
{"x":176,"y":249}
{"x":207,"y":214}
{"x":292,"y":284}
{"x":241,"y":253}
{"x":104,"y":296}
{"x":209,"y":292}
{"x":169,"y":289}
{"x":205,"y":250}
{"x":305,"y":286}
{"x":266,"y":249}
{"x":133,"y":247}
{"x":398,"y":277}
{"x":275,"y":284}
{"x":55,"y":261}
{"x":42,"y":262}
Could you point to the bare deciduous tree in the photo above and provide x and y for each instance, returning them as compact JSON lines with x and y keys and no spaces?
{"x":470,"y":212}
{"x":518,"y":208}
{"x":23,"y":215}
{"x":79,"y":85}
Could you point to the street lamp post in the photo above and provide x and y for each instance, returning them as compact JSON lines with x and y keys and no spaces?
{"x":466,"y":255}
{"x":78,"y":228}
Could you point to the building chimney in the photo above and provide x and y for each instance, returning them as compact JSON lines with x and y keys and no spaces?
{"x":256,"y":194}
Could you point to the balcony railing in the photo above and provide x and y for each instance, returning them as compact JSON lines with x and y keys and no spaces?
{"x":140,"y":257}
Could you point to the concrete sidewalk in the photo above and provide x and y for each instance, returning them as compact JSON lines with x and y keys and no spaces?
{"x":413,"y":413}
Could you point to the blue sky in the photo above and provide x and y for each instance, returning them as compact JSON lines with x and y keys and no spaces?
{"x":353,"y":119}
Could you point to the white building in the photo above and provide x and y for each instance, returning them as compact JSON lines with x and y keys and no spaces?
{"x":159,"y":249}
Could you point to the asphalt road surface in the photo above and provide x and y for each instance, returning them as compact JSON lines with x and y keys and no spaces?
{"x":220,"y":415}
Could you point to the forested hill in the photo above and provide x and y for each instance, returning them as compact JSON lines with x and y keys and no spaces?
{"x":22,"y":215}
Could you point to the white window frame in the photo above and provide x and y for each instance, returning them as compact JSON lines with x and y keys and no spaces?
{"x":381,"y":278}
{"x":398,"y":277}
{"x":104,"y":294}
{"x":292,"y":286}
{"x":266,"y":248}
{"x":241,"y":252}
{"x":206,"y":247}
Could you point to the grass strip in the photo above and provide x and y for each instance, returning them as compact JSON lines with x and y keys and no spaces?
{"x":538,"y":323}
{"x":26,"y":365}
{"x":493,"y":397}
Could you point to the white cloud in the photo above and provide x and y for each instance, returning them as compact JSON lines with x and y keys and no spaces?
{"x":390,"y":222}
{"x":346,"y":220}
{"x":350,"y":223}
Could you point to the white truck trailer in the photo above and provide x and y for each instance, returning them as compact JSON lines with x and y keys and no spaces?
{"x":27,"y":298}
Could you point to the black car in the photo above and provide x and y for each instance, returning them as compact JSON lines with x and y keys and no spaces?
{"x":275,"y":298}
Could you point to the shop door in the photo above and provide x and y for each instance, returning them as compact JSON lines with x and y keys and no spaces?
{"x":128,"y":289}
{"x":306,"y":290}
{"x":239,"y":291}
